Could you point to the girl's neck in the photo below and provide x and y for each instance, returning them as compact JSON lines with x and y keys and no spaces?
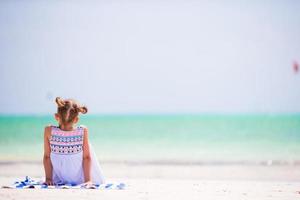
{"x":68,"y":127}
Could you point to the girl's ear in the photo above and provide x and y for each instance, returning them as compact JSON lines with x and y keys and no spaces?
{"x":57,"y":118}
{"x":76,"y":119}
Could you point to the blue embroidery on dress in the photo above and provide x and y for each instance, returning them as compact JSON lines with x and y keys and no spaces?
{"x":66,"y":144}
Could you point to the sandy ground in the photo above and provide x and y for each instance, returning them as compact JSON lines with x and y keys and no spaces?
{"x":169,"y":182}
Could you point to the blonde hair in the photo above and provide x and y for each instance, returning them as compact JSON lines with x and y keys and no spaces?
{"x":69,"y":109}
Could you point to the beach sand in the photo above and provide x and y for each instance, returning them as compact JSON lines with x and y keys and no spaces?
{"x":163,"y":181}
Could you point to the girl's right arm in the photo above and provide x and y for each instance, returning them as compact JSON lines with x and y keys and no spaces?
{"x":86,"y":158}
{"x":46,"y":159}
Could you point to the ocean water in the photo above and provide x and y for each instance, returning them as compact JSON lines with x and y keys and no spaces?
{"x":166,"y":138}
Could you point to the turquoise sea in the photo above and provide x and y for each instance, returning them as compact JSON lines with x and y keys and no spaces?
{"x":218,"y":139}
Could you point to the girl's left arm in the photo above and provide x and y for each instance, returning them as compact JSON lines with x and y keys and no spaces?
{"x":86,"y":158}
{"x":46,"y":158}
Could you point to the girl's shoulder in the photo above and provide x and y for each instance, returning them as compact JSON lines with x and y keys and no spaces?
{"x":84,"y":130}
{"x":83,"y":127}
{"x":47,"y":130}
{"x":50,"y":127}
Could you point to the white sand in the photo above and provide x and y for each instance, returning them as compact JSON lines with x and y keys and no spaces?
{"x":170,"y":182}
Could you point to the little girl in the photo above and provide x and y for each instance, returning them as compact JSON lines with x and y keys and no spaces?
{"x":68,"y":156}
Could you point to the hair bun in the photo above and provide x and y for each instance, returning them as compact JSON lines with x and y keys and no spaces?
{"x":60,"y":102}
{"x":82,"y":109}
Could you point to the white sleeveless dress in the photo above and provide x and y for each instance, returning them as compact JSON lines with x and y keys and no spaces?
{"x":67,"y":157}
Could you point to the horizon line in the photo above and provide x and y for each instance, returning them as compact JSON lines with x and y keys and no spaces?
{"x":137,"y":114}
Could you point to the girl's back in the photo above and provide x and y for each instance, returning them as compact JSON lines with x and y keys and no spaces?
{"x":66,"y":150}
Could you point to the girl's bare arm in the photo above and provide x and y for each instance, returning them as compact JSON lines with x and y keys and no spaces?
{"x":86,"y":157}
{"x":46,"y":158}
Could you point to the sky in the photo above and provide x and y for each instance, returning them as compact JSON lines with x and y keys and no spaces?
{"x":159,"y":56}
